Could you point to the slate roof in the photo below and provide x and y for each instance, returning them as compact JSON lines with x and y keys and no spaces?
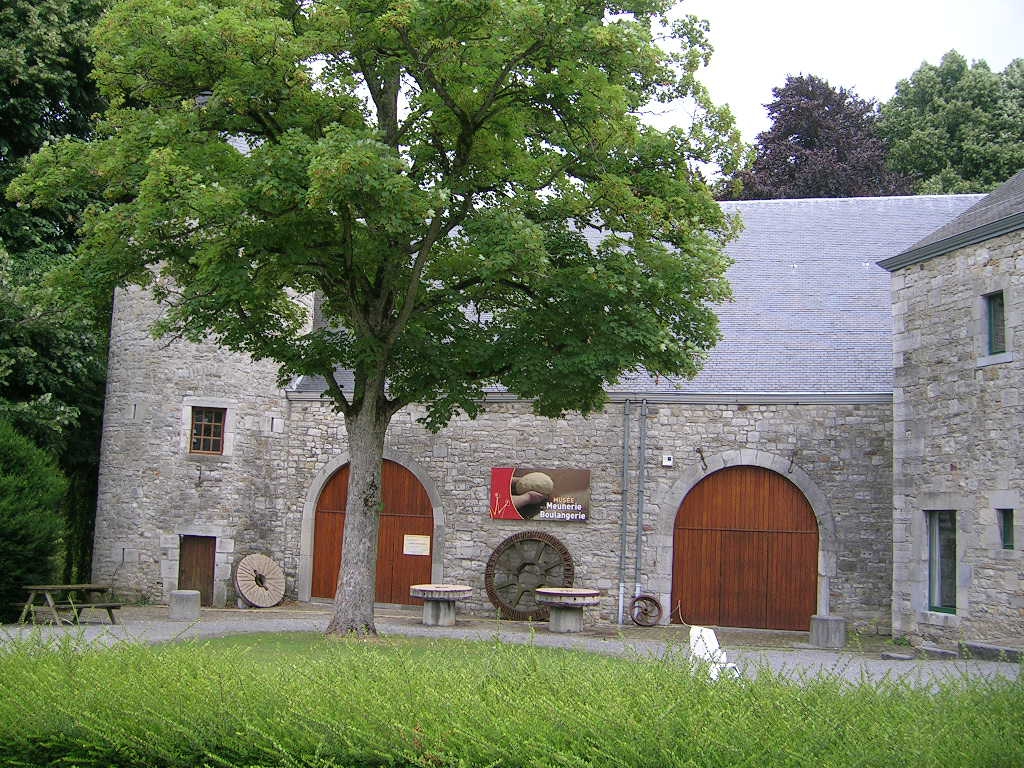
{"x":998,"y":213}
{"x":811,"y":310}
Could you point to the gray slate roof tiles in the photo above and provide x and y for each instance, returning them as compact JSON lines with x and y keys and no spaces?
{"x":811,"y":307}
{"x":999,"y":212}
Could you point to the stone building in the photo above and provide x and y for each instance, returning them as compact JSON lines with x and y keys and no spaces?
{"x":958,"y":306}
{"x":757,"y":494}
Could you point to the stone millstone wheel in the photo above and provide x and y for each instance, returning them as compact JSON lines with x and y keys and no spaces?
{"x":519,"y":565}
{"x":259,"y":580}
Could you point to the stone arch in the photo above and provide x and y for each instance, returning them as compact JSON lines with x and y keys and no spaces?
{"x":304,"y":577}
{"x":669,"y":500}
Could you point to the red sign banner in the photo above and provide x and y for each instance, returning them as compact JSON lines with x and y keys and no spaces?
{"x":521,"y":493}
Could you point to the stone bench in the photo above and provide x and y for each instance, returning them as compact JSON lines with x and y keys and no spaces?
{"x":566,"y":605}
{"x":439,"y":601}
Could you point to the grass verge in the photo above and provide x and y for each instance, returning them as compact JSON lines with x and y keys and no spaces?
{"x":302,"y":700}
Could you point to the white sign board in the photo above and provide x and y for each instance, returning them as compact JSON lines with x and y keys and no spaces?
{"x":416,"y":545}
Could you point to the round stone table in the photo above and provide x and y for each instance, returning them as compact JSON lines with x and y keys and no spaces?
{"x":567,"y":604}
{"x":439,"y":601}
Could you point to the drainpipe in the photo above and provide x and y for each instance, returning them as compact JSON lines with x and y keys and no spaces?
{"x":641,"y":479}
{"x":623,"y":531}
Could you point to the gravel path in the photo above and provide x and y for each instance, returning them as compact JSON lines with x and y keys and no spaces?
{"x":750,"y":650}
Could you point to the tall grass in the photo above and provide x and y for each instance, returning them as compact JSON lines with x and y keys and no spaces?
{"x":277,"y":701}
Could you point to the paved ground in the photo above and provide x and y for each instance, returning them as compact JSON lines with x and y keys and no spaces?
{"x":750,"y":649}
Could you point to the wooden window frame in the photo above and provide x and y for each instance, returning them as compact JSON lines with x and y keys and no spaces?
{"x":207,"y":433}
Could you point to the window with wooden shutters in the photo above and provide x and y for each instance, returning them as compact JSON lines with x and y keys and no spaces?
{"x":207,"y":434}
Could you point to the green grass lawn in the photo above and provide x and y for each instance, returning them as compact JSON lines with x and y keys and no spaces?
{"x":302,"y":700}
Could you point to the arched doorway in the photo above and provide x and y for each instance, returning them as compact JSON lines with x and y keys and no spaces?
{"x":403,"y":544}
{"x":745,"y":552}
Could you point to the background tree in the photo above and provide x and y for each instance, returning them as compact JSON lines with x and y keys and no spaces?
{"x":52,"y":361}
{"x":957,"y":127}
{"x":822,"y":143}
{"x":51,"y":390}
{"x":464,"y":183}
{"x":31,"y":488}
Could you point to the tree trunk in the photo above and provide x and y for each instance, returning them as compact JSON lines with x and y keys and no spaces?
{"x":357,"y":577}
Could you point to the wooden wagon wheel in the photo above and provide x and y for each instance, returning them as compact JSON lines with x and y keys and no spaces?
{"x":259,"y":580}
{"x":519,"y":565}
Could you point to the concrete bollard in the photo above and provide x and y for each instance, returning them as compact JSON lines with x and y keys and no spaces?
{"x":184,"y":605}
{"x":828,"y":632}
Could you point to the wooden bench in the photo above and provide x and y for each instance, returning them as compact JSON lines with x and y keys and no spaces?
{"x":75,"y":609}
{"x":57,"y":599}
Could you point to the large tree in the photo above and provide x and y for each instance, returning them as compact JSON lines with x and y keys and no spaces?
{"x":52,"y":360}
{"x":464,"y":184}
{"x":957,"y":127}
{"x":822,"y":143}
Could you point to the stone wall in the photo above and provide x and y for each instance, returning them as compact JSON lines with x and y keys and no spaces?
{"x":838,"y":454}
{"x":262,"y":495}
{"x":151,"y":490}
{"x":958,"y":418}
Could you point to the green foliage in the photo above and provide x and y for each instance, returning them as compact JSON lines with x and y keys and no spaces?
{"x":45,"y":354}
{"x":427,"y":169}
{"x":957,"y":127}
{"x":52,"y":372}
{"x":31,"y":488}
{"x":45,"y":93}
{"x":277,"y":701}
{"x":52,"y":353}
{"x":464,"y":184}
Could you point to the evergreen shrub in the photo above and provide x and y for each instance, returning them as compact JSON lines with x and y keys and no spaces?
{"x":31,"y":488}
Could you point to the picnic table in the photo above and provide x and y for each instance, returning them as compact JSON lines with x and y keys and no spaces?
{"x":72,"y":599}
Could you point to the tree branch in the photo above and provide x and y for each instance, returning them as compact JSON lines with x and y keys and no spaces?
{"x":337,"y":393}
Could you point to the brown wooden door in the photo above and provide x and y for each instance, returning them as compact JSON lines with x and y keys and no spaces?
{"x":196,"y":557}
{"x":407,"y":512}
{"x":745,"y":552}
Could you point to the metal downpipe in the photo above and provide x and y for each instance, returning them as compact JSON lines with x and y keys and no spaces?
{"x":623,"y":529}
{"x":640,"y":492}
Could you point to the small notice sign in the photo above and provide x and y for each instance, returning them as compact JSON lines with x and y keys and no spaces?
{"x":416,"y":545}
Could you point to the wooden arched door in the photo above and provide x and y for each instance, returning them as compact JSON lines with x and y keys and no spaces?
{"x":403,"y":545}
{"x":745,"y":552}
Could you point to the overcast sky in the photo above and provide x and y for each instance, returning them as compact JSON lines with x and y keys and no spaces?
{"x":867,"y":45}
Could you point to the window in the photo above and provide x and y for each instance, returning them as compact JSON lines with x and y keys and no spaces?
{"x":1005,"y":519}
{"x":942,"y":561}
{"x":207,"y":434}
{"x":995,"y":315}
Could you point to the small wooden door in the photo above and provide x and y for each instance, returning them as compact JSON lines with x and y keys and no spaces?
{"x":196,"y":556}
{"x":745,"y":552}
{"x":406,"y":528}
